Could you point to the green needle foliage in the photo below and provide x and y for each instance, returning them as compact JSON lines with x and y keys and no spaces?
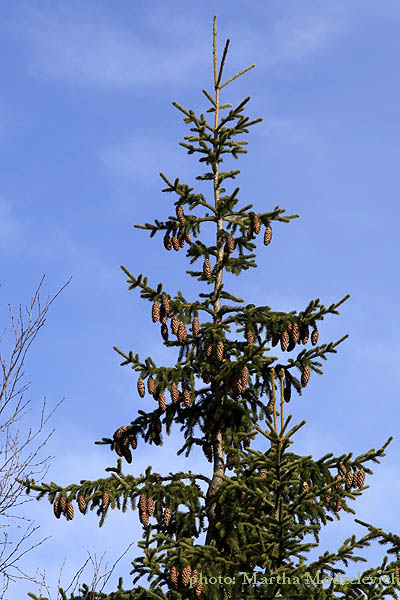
{"x":258,"y":514}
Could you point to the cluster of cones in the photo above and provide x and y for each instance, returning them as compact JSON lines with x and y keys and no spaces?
{"x":184,"y":577}
{"x":178,"y":241}
{"x":154,"y":390}
{"x":294,"y":334}
{"x":355,"y":479}
{"x":160,"y":312}
{"x":123,"y":442}
{"x":61,"y":506}
{"x":146,"y":509}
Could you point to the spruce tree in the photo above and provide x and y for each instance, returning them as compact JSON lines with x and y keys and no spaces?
{"x":250,"y":523}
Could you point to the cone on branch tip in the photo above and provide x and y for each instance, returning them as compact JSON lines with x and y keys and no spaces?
{"x":182,"y":332}
{"x":207,"y":449}
{"x":105,"y":501}
{"x":70,"y":511}
{"x":162,"y":402}
{"x":361,"y":478}
{"x":185,"y":575}
{"x":82,"y":504}
{"x":328,"y":496}
{"x":195,"y":326}
{"x":342,"y":468}
{"x":267,"y":235}
{"x":140,"y":387}
{"x":151,"y":386}
{"x":155,"y":312}
{"x":180,"y":215}
{"x":188,"y":239}
{"x":338,"y":505}
{"x":295,"y":333}
{"x":150,"y":507}
{"x":304,"y":334}
{"x":174,"y":324}
{"x":208,"y":348}
{"x":250,"y":337}
{"x":57,"y":508}
{"x":287,"y":392}
{"x":284,"y":340}
{"x":305,"y":376}
{"x":181,"y":241}
{"x":63,"y":504}
{"x":256,"y":224}
{"x":275,"y":339}
{"x":207,"y":269}
{"x":133,"y":441}
{"x":314,"y":336}
{"x":220,"y":351}
{"x":349,"y":480}
{"x":230,"y":245}
{"x":164,"y":332}
{"x":174,"y":574}
{"x":174,"y":393}
{"x":244,"y":376}
{"x":167,"y":516}
{"x":167,"y":242}
{"x":120,"y":431}
{"x":186,"y":398}
{"x":175,"y":243}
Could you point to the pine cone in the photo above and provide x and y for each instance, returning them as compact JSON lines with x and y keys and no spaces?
{"x":174,"y":574}
{"x":188,"y":239}
{"x":140,"y":387}
{"x":174,"y":324}
{"x":361,"y":478}
{"x":175,"y":243}
{"x":70,"y":511}
{"x":263,"y":473}
{"x":186,"y":574}
{"x":118,"y":433}
{"x":304,"y":334}
{"x":167,"y":242}
{"x":182,"y":332}
{"x":162,"y":402}
{"x":150,"y":507}
{"x":181,"y":241}
{"x":208,"y":348}
{"x":244,"y":377}
{"x":246,"y":442}
{"x":338,"y":504}
{"x":180,"y":214}
{"x":314,"y":336}
{"x":349,"y":480}
{"x":250,"y":337}
{"x":328,"y":496}
{"x":342,"y":469}
{"x":339,"y":481}
{"x":144,"y":518}
{"x":167,"y":516}
{"x":143,"y":502}
{"x":207,"y":269}
{"x":105,"y":501}
{"x":57,"y":508}
{"x":195,"y":576}
{"x":237,"y":387}
{"x":198,"y":589}
{"x":295,"y":333}
{"x":305,"y":376}
{"x":186,"y":398}
{"x":174,"y":393}
{"x":230,"y":245}
{"x":291,"y":346}
{"x":289,"y":326}
{"x":284,"y":340}
{"x":155,"y":312}
{"x":82,"y":504}
{"x":256,"y":224}
{"x":267,"y":235}
{"x":163,"y":314}
{"x":250,"y":232}
{"x":164,"y":332}
{"x":207,"y":449}
{"x":63,"y":504}
{"x":133,"y":441}
{"x":117,"y":448}
{"x":275,"y":339}
{"x":127,"y":455}
{"x":287,"y":392}
{"x":220,"y":351}
{"x":151,"y":386}
{"x":195,"y":326}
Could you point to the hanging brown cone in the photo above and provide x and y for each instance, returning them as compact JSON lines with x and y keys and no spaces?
{"x":207,"y":449}
{"x":70,"y":511}
{"x":167,"y":516}
{"x":175,"y":243}
{"x":198,"y":589}
{"x":361,"y":478}
{"x":132,"y":440}
{"x":151,"y":386}
{"x":220,"y":351}
{"x":185,"y":575}
{"x":82,"y":504}
{"x":180,"y":214}
{"x":208,"y":348}
{"x":250,"y":232}
{"x":328,"y":496}
{"x":342,"y":468}
{"x":284,"y":340}
{"x":314,"y":336}
{"x":155,"y":312}
{"x":275,"y":339}
{"x":174,"y":324}
{"x":164,"y":332}
{"x":162,"y":403}
{"x":105,"y":501}
{"x":246,"y":442}
{"x":289,"y":326}
{"x":127,"y":455}
{"x":182,"y":332}
{"x":117,"y":448}
{"x":195,"y":326}
{"x":304,"y":334}
{"x":140,"y":387}
{"x":157,"y":425}
{"x":207,"y":269}
{"x":287,"y":392}
{"x":186,"y":398}
{"x":143,"y":502}
{"x":63,"y":504}
{"x":338,"y":504}
{"x":150,"y":507}
{"x":244,"y":377}
{"x":291,"y":346}
{"x":237,"y":387}
{"x":339,"y":481}
{"x":188,"y":239}
{"x":305,"y":376}
{"x":295,"y":333}
{"x":181,"y":241}
{"x":124,"y":441}
{"x":256,"y":224}
{"x":349,"y":480}
{"x":57,"y":508}
{"x":163,"y":314}
{"x":174,"y":574}
{"x":267,"y":235}
{"x":144,"y":518}
{"x":229,"y":245}
{"x":263,"y":473}
{"x":165,"y":302}
{"x":167,"y":242}
{"x":250,"y":337}
{"x":174,"y":393}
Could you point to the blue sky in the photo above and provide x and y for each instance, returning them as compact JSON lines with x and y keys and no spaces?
{"x":86,"y":125}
